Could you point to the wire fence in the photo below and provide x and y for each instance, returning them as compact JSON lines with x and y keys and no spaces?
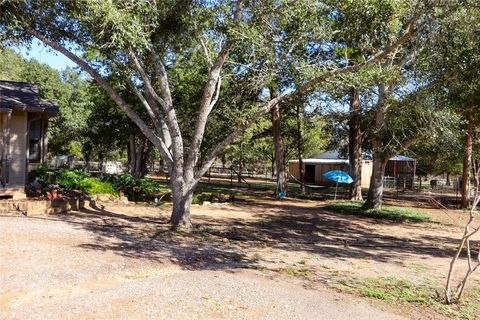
{"x":255,"y":177}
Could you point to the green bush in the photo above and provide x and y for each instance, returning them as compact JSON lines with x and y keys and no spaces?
{"x":197,"y":199}
{"x":70,"y":180}
{"x":95,"y":186}
{"x":136,"y":189}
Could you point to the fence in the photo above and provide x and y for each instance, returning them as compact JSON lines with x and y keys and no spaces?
{"x":398,"y":183}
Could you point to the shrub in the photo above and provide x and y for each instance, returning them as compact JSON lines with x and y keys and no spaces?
{"x":136,"y":189}
{"x":95,"y":186}
{"x":70,"y":180}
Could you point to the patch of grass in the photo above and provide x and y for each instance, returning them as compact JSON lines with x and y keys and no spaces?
{"x":291,"y":271}
{"x":418,"y":267}
{"x":256,"y":257}
{"x":394,"y":289}
{"x":469,"y":311}
{"x":391,"y":288}
{"x":303,"y":261}
{"x":307,"y":196}
{"x":387,"y":212}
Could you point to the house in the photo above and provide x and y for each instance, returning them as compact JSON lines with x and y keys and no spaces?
{"x":23,"y":125}
{"x":399,"y":167}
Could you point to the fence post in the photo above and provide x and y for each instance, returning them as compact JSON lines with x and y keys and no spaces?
{"x":209,"y":175}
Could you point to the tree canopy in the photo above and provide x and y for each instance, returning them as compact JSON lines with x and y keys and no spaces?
{"x":187,"y":63}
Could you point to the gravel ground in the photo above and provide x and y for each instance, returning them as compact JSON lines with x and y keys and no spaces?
{"x":51,"y":269}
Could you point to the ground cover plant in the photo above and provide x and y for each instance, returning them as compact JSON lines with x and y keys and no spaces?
{"x":388,"y":212}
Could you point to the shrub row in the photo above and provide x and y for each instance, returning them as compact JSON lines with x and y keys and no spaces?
{"x":68,"y":180}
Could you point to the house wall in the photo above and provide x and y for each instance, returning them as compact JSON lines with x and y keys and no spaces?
{"x":294,"y":169}
{"x":367,"y":169}
{"x":396,"y":168}
{"x":321,"y":168}
{"x":18,"y":147}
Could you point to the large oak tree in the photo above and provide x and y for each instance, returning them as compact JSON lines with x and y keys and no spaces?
{"x":146,"y":41}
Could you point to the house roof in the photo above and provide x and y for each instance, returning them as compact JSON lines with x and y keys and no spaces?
{"x":402,"y":158}
{"x":333,"y":157}
{"x":328,"y":155}
{"x":24,"y":96}
{"x":326,"y":161}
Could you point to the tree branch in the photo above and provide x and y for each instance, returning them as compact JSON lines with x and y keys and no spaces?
{"x":156,"y":118}
{"x":307,"y":87}
{"x":172,"y":122}
{"x":157,"y":141}
{"x":202,"y":43}
{"x":162,"y":77}
{"x":210,"y":96}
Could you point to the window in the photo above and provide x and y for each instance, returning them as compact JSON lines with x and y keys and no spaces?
{"x":35,"y":141}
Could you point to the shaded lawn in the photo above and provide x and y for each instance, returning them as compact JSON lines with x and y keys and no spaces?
{"x":387,"y":212}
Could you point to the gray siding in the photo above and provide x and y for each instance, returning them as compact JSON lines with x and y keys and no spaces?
{"x":18,"y":147}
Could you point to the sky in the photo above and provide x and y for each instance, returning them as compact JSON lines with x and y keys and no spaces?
{"x":45,"y":55}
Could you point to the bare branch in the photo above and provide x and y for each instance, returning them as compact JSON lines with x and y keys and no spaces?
{"x":457,"y":295}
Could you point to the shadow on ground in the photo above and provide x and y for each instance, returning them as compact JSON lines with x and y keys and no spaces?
{"x":227,"y":243}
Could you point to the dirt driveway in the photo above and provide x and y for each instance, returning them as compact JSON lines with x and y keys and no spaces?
{"x":265,"y":260}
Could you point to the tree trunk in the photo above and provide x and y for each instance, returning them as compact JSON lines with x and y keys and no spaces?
{"x":182,"y":200}
{"x":86,"y":161}
{"x":355,"y":146}
{"x":138,"y":155}
{"x":467,"y":161}
{"x":144,"y":162}
{"x":101,"y":160}
{"x":132,"y":153}
{"x":279,"y":151}
{"x":137,"y":171}
{"x":375,"y":191}
{"x":141,"y":158}
{"x":224,"y":160}
{"x":447,"y":180}
{"x":239,"y":173}
{"x":240,"y":164}
{"x":300,"y":150}
{"x":272,"y":163}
